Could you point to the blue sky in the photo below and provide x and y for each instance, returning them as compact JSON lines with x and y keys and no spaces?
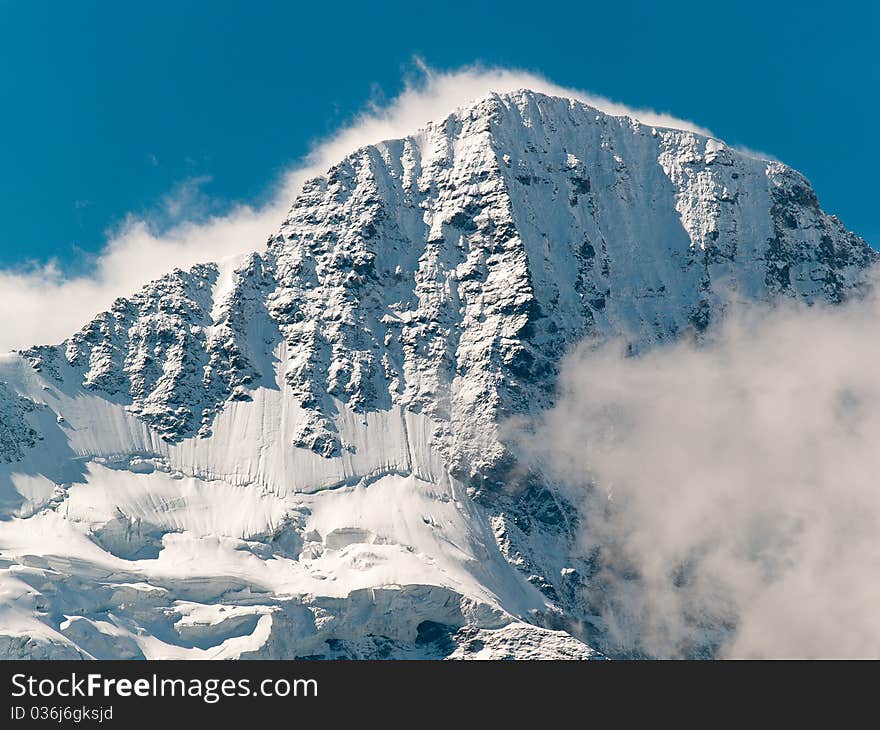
{"x":110,"y":108}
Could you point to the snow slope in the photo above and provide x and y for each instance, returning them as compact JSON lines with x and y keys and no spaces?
{"x":298,"y":452}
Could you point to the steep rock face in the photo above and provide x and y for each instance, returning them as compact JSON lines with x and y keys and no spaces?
{"x":172,"y":352}
{"x":417,"y":295}
{"x":16,"y":434}
{"x":449,"y":271}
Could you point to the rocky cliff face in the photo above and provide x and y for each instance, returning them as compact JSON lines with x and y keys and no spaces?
{"x":328,"y":409}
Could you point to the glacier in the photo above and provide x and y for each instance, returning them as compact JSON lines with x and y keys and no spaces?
{"x":301,"y":452}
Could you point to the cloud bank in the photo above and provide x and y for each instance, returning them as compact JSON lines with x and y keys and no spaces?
{"x":731,"y":491}
{"x":44,"y":304}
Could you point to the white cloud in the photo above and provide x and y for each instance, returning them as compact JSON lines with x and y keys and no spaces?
{"x":44,"y":305}
{"x":739,"y":480}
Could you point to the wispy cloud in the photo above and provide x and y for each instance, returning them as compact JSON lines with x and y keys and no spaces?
{"x":730,"y":490}
{"x":46,"y":304}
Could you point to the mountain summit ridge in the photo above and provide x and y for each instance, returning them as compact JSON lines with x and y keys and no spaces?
{"x":418,"y":294}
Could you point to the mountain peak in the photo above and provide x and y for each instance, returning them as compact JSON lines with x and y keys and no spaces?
{"x":334,"y":403}
{"x":504,"y":234}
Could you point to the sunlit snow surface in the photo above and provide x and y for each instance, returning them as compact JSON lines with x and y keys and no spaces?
{"x":129,"y":546}
{"x":300,"y":452}
{"x":119,"y":544}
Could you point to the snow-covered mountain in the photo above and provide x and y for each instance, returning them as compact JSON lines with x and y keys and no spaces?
{"x":300,"y":453}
